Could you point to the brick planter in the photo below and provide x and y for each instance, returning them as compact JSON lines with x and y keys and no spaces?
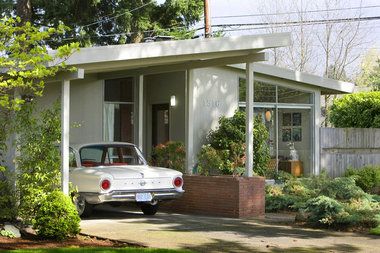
{"x":225,"y":196}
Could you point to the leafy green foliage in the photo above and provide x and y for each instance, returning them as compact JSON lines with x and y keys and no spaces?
{"x":323,"y":201}
{"x":170,"y":155}
{"x":39,"y":159}
{"x":361,"y":110}
{"x":25,"y":60}
{"x":8,"y":200}
{"x":227,"y":147}
{"x":367,"y":178}
{"x":7,"y":233}
{"x":106,"y":22}
{"x":56,"y":217}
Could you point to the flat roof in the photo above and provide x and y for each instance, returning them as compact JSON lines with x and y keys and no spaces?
{"x":142,"y":55}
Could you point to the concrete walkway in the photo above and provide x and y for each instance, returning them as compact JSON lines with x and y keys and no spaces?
{"x":210,"y":234}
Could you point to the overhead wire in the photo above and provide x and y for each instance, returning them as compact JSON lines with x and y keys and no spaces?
{"x":295,"y":12}
{"x":116,"y":16}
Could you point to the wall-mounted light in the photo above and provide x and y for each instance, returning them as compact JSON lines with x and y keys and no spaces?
{"x":173,"y":101}
{"x":268,"y":115}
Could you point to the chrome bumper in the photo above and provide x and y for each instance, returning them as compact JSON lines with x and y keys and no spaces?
{"x":123,"y":196}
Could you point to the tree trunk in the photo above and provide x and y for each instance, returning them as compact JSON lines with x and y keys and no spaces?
{"x":24,"y":10}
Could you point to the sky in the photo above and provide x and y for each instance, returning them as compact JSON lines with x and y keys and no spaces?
{"x":226,"y":12}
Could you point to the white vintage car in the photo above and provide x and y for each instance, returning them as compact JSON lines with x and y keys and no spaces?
{"x":117,"y":172}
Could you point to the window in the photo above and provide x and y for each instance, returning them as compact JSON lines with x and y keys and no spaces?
{"x":292,"y":127}
{"x":118,"y":110}
{"x":286,"y":95}
{"x":267,"y":93}
{"x":263,"y":92}
{"x":104,"y":155}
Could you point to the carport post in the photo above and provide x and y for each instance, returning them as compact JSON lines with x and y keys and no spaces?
{"x":65,"y":129}
{"x":249,"y":120}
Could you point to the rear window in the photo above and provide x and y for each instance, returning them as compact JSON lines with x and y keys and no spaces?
{"x":105,"y":155}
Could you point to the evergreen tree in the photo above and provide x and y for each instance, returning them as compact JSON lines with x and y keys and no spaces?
{"x":107,"y":22}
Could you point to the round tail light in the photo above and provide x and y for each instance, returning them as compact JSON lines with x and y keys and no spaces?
{"x":105,"y":184}
{"x":178,"y":182}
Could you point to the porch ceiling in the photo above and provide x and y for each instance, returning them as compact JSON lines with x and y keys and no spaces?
{"x":177,"y":54}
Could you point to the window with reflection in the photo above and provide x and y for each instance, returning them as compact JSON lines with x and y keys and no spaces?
{"x":266,"y":93}
{"x":118,"y":110}
{"x":263,"y":92}
{"x":287,"y":95}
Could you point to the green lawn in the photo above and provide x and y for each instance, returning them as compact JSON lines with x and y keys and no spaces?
{"x":107,"y":250}
{"x":375,"y":231}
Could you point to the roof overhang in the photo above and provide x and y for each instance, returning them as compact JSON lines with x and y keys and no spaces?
{"x":178,"y":54}
{"x":325,"y":85}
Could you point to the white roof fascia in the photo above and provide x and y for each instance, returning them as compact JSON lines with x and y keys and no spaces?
{"x":330,"y":86}
{"x":323,"y":82}
{"x":205,"y":48}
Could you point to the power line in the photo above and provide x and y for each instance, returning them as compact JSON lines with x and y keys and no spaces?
{"x":296,"y":12}
{"x":116,"y":16}
{"x":305,"y":22}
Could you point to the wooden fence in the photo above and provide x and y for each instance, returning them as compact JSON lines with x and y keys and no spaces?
{"x":342,"y":148}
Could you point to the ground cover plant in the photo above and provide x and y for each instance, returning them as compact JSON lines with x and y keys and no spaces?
{"x":322,"y":201}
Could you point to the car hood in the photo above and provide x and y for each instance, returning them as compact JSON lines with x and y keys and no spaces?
{"x":138,"y":171}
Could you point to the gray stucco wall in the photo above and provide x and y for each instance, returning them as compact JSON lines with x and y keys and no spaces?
{"x":215,"y":95}
{"x":158,"y":89}
{"x":86,"y":108}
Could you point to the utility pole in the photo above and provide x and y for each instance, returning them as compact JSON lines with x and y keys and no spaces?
{"x":207,"y":19}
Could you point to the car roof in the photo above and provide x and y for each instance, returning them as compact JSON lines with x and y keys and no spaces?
{"x":78,"y":146}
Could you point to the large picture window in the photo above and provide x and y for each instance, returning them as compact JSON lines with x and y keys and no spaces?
{"x":118,"y":119}
{"x":286,"y":112}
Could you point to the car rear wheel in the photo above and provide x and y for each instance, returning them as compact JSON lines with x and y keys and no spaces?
{"x":149,"y":208}
{"x":84,"y":209}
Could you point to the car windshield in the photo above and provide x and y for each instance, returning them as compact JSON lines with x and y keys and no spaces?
{"x":108,"y":155}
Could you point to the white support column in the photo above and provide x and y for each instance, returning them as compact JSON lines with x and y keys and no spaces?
{"x":141,"y":113}
{"x":249,"y":120}
{"x":189,"y":130}
{"x":65,"y":128}
{"x":317,"y":123}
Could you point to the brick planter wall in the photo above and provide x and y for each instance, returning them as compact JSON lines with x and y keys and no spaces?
{"x":225,"y":196}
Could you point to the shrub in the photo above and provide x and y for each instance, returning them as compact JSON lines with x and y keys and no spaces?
{"x":277,"y":200}
{"x":170,"y":155}
{"x":39,"y":160}
{"x":367,"y":178}
{"x":324,"y":201}
{"x":324,"y":210}
{"x":229,"y":140}
{"x":210,"y":161}
{"x":56,"y":217}
{"x":342,"y":188}
{"x":8,"y":210}
{"x":361,"y":110}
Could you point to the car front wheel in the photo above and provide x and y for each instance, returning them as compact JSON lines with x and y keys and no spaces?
{"x":84,"y":209}
{"x":149,"y":208}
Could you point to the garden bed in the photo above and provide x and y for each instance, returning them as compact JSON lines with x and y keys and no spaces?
{"x":32,"y":242}
{"x":225,"y":196}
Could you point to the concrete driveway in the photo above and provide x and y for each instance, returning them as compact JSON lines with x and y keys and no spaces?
{"x":211,"y":234}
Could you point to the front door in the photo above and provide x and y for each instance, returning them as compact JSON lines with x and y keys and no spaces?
{"x":160,"y":124}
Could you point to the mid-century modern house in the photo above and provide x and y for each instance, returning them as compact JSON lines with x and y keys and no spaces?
{"x":150,"y":93}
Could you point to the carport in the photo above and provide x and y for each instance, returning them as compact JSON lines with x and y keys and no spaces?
{"x":161,"y":57}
